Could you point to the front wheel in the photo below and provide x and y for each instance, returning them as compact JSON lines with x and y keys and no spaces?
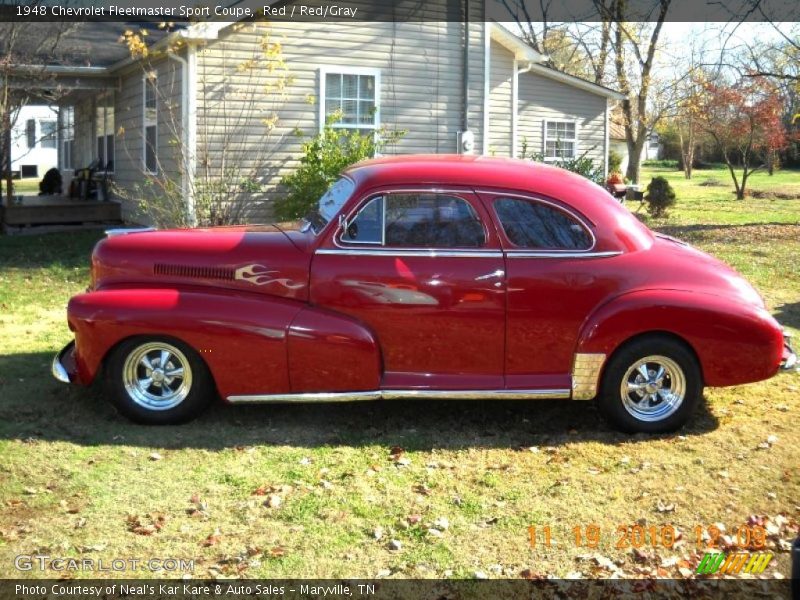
{"x":158,"y":381}
{"x":651,"y":385}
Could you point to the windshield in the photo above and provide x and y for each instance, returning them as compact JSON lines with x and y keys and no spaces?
{"x":329,"y":205}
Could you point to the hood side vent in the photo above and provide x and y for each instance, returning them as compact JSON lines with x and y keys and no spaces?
{"x":194,"y":272}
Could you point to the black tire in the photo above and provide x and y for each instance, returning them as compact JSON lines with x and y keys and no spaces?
{"x":171,"y":398}
{"x":633,"y":415}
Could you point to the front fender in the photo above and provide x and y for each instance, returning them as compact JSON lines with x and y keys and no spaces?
{"x":735,"y":343}
{"x":242,"y":338}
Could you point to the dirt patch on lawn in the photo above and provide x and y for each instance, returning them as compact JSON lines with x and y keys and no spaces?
{"x":781,"y":193}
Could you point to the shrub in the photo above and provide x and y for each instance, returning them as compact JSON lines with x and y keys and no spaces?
{"x":582,"y":165}
{"x":660,"y":196}
{"x":663,"y":163}
{"x":325,"y":156}
{"x":614,"y":162}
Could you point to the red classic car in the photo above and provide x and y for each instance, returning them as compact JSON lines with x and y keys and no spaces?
{"x":423,"y":277}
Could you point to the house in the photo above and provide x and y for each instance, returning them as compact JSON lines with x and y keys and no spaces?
{"x":452,"y":86}
{"x":33,"y":141}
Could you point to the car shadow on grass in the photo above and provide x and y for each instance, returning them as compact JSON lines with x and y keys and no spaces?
{"x":789,"y":315}
{"x":33,"y":405}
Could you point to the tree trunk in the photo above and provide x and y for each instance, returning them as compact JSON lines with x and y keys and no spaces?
{"x":6,"y":165}
{"x":635,"y":148}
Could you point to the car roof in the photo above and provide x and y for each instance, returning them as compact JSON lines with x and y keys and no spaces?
{"x":498,"y":173}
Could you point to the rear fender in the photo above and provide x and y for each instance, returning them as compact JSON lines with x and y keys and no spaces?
{"x":242,"y":338}
{"x":735,"y":343}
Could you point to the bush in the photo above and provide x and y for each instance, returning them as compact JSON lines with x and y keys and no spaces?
{"x":614,"y":162}
{"x":325,"y":156}
{"x":582,"y":165}
{"x":660,"y":196}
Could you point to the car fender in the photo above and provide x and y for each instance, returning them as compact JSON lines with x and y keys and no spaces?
{"x":241,"y":337}
{"x":735,"y":343}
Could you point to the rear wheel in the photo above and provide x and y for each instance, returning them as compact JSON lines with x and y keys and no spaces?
{"x":651,"y":385}
{"x":158,"y":381}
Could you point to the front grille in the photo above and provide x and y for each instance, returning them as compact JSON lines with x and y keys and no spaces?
{"x":194,"y":272}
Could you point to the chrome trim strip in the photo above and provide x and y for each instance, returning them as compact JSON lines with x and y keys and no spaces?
{"x":57,"y":369}
{"x":585,"y":375}
{"x":404,"y":394}
{"x":561,"y":254}
{"x":426,"y":252}
{"x":475,"y":394}
{"x":127,"y":230}
{"x":308,"y":397}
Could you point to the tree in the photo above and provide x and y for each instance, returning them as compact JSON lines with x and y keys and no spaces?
{"x":237,"y":116}
{"x":744,"y":121}
{"x":635,"y":46}
{"x":25,"y":49}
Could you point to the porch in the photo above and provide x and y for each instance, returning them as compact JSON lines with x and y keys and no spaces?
{"x":29,"y":213}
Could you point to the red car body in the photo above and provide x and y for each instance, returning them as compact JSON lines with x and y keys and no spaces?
{"x":284,"y":313}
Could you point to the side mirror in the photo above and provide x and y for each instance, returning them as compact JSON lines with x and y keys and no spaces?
{"x":343,"y":224}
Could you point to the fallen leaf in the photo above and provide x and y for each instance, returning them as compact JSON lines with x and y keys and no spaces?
{"x":441,"y":523}
{"x":155,"y":456}
{"x":395,"y":545}
{"x":277,"y":552}
{"x":212,"y":540}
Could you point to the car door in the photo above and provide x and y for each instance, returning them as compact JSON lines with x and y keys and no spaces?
{"x":424,"y":269}
{"x":556,"y":276}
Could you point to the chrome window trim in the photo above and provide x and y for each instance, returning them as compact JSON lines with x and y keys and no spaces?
{"x":399,"y":394}
{"x":339,"y":243}
{"x":497,"y":195}
{"x":408,"y":252}
{"x":564,"y":254}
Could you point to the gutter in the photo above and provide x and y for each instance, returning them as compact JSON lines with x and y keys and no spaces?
{"x":188,"y":127}
{"x":515,"y":105}
{"x":465,"y":78}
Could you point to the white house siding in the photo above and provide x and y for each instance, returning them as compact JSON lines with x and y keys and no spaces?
{"x":21,"y":154}
{"x":500,"y":100}
{"x":130,"y":181}
{"x":420,"y":63}
{"x":542,"y":98}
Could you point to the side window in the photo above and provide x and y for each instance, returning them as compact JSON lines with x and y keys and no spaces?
{"x":530,"y":224}
{"x":367,"y":226}
{"x":422,"y":220}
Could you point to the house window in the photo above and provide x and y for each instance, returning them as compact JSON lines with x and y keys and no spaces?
{"x":353,"y":94}
{"x":560,"y":139}
{"x":30,"y":132}
{"x":104,"y":126}
{"x":48,"y":134}
{"x":150,"y":124}
{"x":68,"y":137}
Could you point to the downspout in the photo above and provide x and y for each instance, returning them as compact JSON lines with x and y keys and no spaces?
{"x":515,"y":106}
{"x":188,"y":127}
{"x":465,"y":78}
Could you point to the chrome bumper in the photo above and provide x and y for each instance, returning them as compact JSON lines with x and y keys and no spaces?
{"x":789,"y":360}
{"x":60,"y":370}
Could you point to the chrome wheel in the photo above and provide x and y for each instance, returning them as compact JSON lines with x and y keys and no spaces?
{"x":653,"y":388}
{"x":157,"y":376}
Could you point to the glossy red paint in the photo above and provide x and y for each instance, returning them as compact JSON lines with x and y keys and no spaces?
{"x":276,"y":309}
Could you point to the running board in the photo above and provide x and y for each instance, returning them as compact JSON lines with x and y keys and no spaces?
{"x":404,"y":394}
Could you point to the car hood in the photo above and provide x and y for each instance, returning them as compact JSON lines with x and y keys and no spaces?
{"x":260,"y":259}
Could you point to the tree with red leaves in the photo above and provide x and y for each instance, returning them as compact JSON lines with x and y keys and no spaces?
{"x":744,"y":121}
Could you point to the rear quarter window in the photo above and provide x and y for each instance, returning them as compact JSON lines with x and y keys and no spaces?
{"x":540,"y":226}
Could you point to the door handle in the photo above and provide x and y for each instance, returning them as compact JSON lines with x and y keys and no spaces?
{"x":498,"y":274}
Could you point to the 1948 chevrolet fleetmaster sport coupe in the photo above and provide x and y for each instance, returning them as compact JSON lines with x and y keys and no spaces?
{"x":423,"y":277}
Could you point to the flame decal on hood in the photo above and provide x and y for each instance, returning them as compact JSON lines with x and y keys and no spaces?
{"x":261,"y":275}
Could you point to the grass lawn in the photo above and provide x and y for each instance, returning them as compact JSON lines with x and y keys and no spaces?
{"x":305,"y":491}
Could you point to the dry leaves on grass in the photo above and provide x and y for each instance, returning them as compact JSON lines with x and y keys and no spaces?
{"x":198,"y":507}
{"x":212,"y":540}
{"x":148,"y":524}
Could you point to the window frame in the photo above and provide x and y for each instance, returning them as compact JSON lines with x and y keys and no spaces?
{"x":575,"y":141}
{"x":514,"y":248}
{"x":50,"y":137}
{"x":148,"y":122}
{"x":326,"y":70}
{"x":383,"y":247}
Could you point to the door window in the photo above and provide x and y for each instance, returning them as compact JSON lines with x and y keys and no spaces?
{"x":536,"y":225}
{"x":417,"y":220}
